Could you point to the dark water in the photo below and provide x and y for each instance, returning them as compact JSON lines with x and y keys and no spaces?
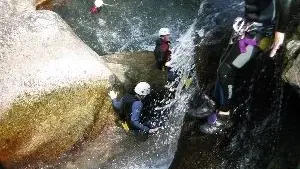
{"x":127,"y":25}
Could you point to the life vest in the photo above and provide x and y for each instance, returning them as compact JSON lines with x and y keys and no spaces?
{"x":162,"y":52}
{"x":249,"y":43}
{"x":126,"y":108}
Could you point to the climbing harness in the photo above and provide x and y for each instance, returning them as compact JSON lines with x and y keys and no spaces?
{"x":240,"y":27}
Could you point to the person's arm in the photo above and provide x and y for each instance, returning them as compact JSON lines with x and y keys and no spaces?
{"x":136,"y":115}
{"x":284,"y":11}
{"x":283,"y":8}
{"x":116,"y":103}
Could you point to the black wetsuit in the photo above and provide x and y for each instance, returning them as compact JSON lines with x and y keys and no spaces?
{"x":261,"y":11}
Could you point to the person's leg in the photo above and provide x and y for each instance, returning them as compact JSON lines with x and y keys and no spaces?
{"x":225,"y":84}
{"x":226,"y":74}
{"x":171,"y":75}
{"x":227,"y":70}
{"x":223,"y":91}
{"x":159,"y":65}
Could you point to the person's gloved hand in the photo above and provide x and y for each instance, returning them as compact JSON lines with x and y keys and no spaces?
{"x":168,"y":64}
{"x":278,"y":41}
{"x":112,"y":94}
{"x":151,"y":131}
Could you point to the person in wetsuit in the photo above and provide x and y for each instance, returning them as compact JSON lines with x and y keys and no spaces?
{"x":263,"y":20}
{"x":129,"y":108}
{"x":97,"y":6}
{"x":162,"y":51}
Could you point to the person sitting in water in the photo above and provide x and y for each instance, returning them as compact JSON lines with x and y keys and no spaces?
{"x":129,"y":108}
{"x":262,"y":21}
{"x":162,"y":51}
{"x":97,"y":6}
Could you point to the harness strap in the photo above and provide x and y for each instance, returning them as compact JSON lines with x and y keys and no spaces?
{"x":241,"y":27}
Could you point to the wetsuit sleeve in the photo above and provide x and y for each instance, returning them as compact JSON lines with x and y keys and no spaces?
{"x":136,"y":115}
{"x":157,"y":51}
{"x":117,"y":103}
{"x":285,"y":9}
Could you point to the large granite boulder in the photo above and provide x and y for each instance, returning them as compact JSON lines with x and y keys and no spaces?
{"x":292,"y":72}
{"x":53,"y":89}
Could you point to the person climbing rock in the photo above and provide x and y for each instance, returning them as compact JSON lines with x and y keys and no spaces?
{"x":97,"y":6}
{"x":264,"y":21}
{"x":129,"y":108}
{"x":162,"y":51}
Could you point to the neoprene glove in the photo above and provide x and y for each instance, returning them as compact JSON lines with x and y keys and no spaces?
{"x":278,"y":41}
{"x":112,"y":94}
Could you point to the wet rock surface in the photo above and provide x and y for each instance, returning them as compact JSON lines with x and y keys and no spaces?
{"x":132,"y":67}
{"x":292,"y":72}
{"x":195,"y":149}
{"x":272,"y":129}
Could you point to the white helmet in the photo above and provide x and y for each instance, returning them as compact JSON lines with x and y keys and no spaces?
{"x":142,"y":88}
{"x":164,"y":31}
{"x":98,"y":3}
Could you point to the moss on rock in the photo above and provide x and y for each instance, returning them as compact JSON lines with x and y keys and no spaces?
{"x":41,"y":128}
